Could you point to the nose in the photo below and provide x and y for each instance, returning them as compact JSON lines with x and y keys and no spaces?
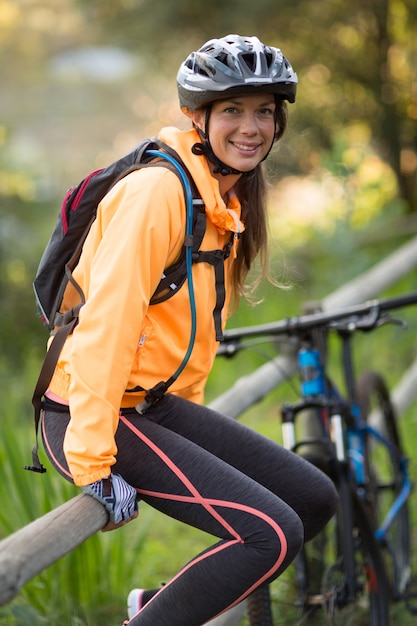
{"x":248,"y":124}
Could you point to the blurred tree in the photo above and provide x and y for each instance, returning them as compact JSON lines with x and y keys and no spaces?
{"x":355,"y":60}
{"x":356,"y":64}
{"x":21,"y":332}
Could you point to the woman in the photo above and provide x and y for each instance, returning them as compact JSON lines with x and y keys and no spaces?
{"x":189,"y":462}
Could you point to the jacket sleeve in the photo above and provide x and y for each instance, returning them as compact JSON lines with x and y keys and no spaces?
{"x":139,"y":227}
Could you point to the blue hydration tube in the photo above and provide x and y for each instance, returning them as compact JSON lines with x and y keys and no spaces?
{"x":188,"y":252}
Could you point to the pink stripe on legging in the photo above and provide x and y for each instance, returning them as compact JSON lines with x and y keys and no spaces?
{"x":180,"y":475}
{"x":208,"y":504}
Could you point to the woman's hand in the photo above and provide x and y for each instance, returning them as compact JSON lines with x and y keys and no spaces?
{"x":112,"y":526}
{"x":118,"y":497}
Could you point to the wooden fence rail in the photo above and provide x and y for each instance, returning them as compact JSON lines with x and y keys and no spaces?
{"x":30,"y":550}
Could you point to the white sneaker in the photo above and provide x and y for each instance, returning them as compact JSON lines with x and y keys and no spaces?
{"x":134,"y":602}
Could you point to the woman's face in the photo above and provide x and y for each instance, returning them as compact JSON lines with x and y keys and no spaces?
{"x":241,"y":130}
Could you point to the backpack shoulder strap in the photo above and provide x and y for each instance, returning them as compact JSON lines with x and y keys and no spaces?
{"x":174,"y":276}
{"x":43,"y":381}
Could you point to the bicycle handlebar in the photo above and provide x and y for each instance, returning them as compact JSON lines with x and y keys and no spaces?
{"x":299,"y":324}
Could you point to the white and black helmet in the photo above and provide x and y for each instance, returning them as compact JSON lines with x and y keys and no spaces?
{"x":234,"y":64}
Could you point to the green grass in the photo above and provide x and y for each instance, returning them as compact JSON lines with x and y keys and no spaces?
{"x":88,"y":587}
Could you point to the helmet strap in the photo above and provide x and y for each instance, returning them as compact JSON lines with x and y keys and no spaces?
{"x":204,"y":149}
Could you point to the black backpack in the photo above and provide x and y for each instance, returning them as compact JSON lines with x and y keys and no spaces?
{"x":63,"y":251}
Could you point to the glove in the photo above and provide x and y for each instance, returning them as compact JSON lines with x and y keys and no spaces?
{"x":117,"y":496}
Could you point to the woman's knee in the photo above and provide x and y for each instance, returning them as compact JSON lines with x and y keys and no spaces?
{"x":283,"y":536}
{"x":322,"y":506}
{"x":330,"y":498}
{"x":294,"y":536}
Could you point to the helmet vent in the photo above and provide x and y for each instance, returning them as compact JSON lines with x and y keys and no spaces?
{"x":203,"y":72}
{"x":250,"y":60}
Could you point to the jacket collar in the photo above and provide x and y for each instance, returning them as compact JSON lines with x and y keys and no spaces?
{"x":224,"y":217}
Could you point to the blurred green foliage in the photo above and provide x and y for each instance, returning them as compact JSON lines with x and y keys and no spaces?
{"x":81,"y":82}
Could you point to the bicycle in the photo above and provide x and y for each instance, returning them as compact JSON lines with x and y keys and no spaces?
{"x":361,"y":562}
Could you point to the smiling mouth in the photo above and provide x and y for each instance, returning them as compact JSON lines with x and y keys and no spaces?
{"x":245,"y":147}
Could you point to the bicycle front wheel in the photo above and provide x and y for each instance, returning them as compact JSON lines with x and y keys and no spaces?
{"x":327,"y":599}
{"x":385,"y":479}
{"x":259,"y":607}
{"x":318,"y":594}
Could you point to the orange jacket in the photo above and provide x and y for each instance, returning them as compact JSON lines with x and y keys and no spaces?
{"x":121,"y":341}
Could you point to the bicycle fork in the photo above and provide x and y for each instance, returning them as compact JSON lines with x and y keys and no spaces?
{"x":345,"y":495}
{"x":340,"y":471}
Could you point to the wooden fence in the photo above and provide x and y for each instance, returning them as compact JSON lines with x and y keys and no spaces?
{"x":30,"y":550}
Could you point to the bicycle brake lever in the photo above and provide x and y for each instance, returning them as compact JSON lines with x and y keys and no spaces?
{"x":386,"y":319}
{"x":368,"y":322}
{"x":374,"y":319}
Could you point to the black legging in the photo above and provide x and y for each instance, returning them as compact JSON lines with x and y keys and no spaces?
{"x":218,"y":475}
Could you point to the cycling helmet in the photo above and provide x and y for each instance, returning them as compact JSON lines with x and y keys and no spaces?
{"x":234,"y":64}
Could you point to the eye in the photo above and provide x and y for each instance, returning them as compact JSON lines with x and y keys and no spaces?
{"x":267,"y":111}
{"x":230,"y":109}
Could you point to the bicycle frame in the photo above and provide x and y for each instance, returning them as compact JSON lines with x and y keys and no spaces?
{"x":344,"y":443}
{"x":348,"y":439}
{"x":313,"y":328}
{"x":355,"y":434}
